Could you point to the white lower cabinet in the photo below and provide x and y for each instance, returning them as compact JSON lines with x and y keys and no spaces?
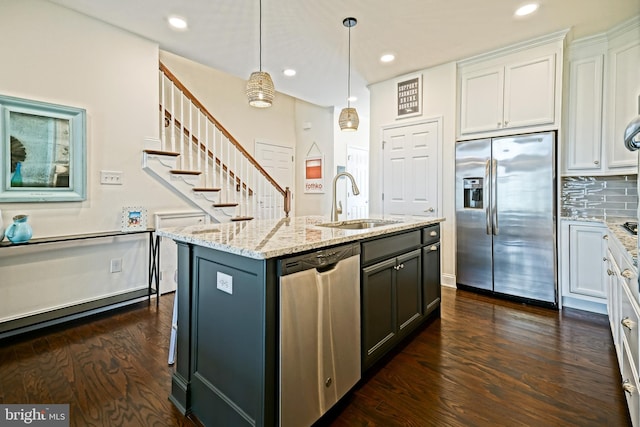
{"x":584,"y":273}
{"x":624,"y":314}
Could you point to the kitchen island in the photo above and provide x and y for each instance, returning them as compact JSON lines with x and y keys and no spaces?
{"x":228,"y":360}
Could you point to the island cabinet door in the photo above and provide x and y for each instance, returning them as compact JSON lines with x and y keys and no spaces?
{"x":409,"y":290}
{"x":430,"y":278}
{"x":379,"y":324}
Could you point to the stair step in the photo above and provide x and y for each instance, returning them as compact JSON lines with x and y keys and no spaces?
{"x":224,"y":205}
{"x":162,"y":153}
{"x":241,"y":218}
{"x":185,"y":172}
{"x":206,"y":190}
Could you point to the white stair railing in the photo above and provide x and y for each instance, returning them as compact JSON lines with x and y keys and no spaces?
{"x":205,"y":146}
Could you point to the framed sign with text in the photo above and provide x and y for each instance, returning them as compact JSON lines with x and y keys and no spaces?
{"x":409,"y":97}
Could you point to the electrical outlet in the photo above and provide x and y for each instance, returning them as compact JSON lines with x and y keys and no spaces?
{"x":224,"y":282}
{"x":116,"y":265}
{"x":111,"y":177}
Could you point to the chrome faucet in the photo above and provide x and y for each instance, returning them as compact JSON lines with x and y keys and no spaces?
{"x":335,"y":210}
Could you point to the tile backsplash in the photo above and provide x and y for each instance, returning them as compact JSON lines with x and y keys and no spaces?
{"x":599,"y":196}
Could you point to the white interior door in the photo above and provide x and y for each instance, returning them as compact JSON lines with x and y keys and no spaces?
{"x":358,"y":166}
{"x":277,"y":160}
{"x":410,"y":169}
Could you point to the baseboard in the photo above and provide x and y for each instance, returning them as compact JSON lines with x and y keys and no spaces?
{"x":448,"y":280}
{"x":594,"y":307}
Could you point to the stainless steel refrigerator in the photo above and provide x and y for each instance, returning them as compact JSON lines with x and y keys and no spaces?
{"x":506,"y":216}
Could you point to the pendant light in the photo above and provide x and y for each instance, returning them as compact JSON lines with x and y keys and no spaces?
{"x":260,"y":90}
{"x":348,"y":119}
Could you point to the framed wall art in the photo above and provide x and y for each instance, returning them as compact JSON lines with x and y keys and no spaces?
{"x":314,"y":170}
{"x":133,"y":219}
{"x":409,"y":97}
{"x":43,"y":151}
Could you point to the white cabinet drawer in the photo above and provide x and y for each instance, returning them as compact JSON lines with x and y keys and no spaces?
{"x":630,"y":387}
{"x":630,"y":275}
{"x":628,"y":319}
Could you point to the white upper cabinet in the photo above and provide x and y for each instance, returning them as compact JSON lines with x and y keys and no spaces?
{"x":583,"y":147}
{"x":603,"y":97}
{"x":481,"y":106}
{"x":512,"y":90}
{"x":623,"y":94}
{"x":529,"y":93}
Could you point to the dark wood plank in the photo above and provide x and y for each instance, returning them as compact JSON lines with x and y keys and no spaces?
{"x":111,"y":369}
{"x":498,"y":363}
{"x":485,"y":362}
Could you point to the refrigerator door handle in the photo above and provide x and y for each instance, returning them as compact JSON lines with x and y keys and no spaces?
{"x":487,"y":192}
{"x":494,"y":196}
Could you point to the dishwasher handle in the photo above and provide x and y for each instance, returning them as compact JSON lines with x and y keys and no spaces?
{"x":321,"y":260}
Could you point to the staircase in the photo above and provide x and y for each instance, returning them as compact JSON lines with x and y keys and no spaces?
{"x":200,"y":160}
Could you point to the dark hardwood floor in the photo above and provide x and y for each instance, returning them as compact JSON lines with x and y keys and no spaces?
{"x":486,"y":362}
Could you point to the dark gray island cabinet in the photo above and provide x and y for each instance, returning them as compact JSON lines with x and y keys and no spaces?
{"x":228,"y":362}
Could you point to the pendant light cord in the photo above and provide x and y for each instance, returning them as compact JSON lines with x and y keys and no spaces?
{"x":349,"y":77}
{"x":260,"y":59}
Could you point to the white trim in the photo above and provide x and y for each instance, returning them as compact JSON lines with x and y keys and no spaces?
{"x":448,"y":280}
{"x":557,"y":36}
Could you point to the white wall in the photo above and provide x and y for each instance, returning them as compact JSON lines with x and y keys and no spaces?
{"x":52,"y":54}
{"x":439,"y":100}
{"x":320,"y":133}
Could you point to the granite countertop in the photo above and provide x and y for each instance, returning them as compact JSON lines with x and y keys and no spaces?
{"x":270,"y":238}
{"x":628,"y":240}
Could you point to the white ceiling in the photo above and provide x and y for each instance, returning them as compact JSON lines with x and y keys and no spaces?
{"x":308,"y":35}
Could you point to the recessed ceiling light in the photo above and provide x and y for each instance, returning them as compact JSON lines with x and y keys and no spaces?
{"x":177,"y":22}
{"x":527,"y":9}
{"x":289,"y":72}
{"x":388,"y":57}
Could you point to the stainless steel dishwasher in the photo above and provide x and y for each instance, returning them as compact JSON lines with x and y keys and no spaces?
{"x":319,"y":332}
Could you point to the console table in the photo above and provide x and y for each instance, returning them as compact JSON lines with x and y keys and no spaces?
{"x":41,"y":320}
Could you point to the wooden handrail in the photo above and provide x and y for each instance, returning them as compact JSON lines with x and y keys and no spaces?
{"x":221,"y":128}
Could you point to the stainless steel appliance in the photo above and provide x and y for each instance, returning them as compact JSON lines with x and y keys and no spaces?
{"x":319,"y":332}
{"x":506,"y":216}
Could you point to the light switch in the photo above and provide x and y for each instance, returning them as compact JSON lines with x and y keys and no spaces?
{"x":111,"y":177}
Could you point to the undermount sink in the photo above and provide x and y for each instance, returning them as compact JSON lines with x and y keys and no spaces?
{"x":358,"y":224}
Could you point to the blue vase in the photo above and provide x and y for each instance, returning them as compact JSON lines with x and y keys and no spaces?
{"x":16,"y":179}
{"x":19,"y":231}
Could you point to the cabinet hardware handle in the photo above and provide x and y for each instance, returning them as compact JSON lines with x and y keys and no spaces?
{"x":328,"y":382}
{"x":628,"y":387}
{"x":506,"y":123}
{"x":433,"y":248}
{"x":605,"y":259}
{"x":627,"y":323}
{"x":610,"y":272}
{"x":605,"y":237}
{"x":433,"y":233}
{"x":401,"y":266}
{"x":498,"y":125}
{"x":595,"y":162}
{"x":396,"y":267}
{"x":626,"y":273}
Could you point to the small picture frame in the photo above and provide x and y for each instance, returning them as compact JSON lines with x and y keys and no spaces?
{"x":134,"y":219}
{"x":409,"y":97}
